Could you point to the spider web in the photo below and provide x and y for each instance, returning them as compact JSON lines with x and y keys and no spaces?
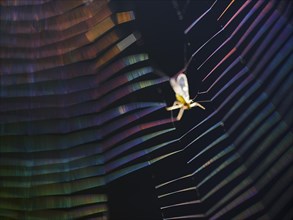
{"x":74,"y":116}
{"x":235,"y":163}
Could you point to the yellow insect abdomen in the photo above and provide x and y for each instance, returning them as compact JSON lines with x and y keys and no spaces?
{"x":182,"y":100}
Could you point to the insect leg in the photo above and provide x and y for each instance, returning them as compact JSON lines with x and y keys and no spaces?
{"x":175,"y":105}
{"x":180,"y":114}
{"x":198,"y":105}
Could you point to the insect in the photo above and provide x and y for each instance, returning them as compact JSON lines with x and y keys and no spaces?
{"x":180,"y":87}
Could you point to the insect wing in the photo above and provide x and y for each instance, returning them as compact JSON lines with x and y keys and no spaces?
{"x":180,"y":86}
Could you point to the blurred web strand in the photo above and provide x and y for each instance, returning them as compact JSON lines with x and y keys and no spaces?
{"x":39,"y":93}
{"x":87,"y":162}
{"x":94,"y":135}
{"x":53,"y":202}
{"x":97,"y":105}
{"x":24,"y":15}
{"x":73,"y":72}
{"x":84,"y":18}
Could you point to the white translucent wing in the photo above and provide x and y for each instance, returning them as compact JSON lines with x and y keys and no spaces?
{"x":180,"y":86}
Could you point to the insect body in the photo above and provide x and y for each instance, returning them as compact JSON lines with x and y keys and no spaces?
{"x":180,"y":87}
